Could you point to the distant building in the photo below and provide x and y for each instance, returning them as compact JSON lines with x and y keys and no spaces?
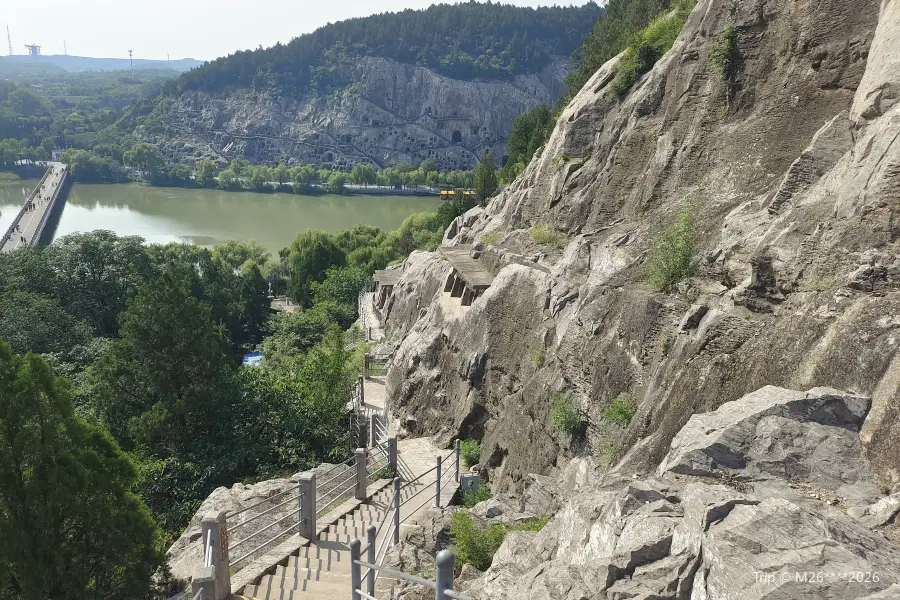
{"x":57,"y":154}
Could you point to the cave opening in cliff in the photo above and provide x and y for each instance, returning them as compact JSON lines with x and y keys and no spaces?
{"x":456,"y":138}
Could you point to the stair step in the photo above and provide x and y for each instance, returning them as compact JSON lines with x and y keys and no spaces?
{"x":324,"y":590}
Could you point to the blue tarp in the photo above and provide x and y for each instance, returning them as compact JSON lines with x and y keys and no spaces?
{"x":254,"y":359}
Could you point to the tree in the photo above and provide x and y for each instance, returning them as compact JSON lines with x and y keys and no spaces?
{"x":145,"y":158}
{"x":280,"y":174}
{"x":342,"y":286}
{"x":336,"y":183}
{"x":485,"y":178}
{"x":70,"y":526}
{"x":206,"y":172}
{"x":165,"y":385}
{"x":363,"y":174}
{"x":35,"y":323}
{"x":311,"y":254}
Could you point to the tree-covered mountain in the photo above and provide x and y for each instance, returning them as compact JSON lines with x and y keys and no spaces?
{"x":463,"y":41}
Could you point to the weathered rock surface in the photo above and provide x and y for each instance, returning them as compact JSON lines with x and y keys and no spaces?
{"x":792,"y":173}
{"x":392,"y":113}
{"x":694,"y":532}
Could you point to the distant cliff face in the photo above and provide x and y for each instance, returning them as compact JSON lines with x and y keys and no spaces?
{"x":391,"y":113}
{"x":792,"y":173}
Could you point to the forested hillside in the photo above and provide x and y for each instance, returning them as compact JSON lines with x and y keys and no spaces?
{"x":462,"y":41}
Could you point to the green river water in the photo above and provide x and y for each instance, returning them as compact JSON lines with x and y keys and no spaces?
{"x":206,"y":217}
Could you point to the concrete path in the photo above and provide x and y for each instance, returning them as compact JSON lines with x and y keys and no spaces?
{"x":370,"y":320}
{"x":26,"y":225}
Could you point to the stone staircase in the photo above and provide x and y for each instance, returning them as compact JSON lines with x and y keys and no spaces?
{"x":320,"y":570}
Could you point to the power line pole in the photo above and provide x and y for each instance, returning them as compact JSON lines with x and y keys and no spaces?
{"x":9,"y":39}
{"x":65,"y":50}
{"x":132,"y":66}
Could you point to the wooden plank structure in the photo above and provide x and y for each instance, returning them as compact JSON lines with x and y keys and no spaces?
{"x":384,"y":287}
{"x":469,"y":279}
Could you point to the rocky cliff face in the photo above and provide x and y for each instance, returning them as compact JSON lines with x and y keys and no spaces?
{"x":791,"y":170}
{"x":391,"y":113}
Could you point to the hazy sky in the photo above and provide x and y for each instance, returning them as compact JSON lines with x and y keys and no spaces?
{"x":202,"y":29}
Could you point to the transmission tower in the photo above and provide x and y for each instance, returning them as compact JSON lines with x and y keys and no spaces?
{"x":132,"y":66}
{"x":65,"y":50}
{"x":9,"y":39}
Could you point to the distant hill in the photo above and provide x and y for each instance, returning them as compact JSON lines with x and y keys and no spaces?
{"x":77,"y":64}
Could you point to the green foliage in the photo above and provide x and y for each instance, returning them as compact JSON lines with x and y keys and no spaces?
{"x":483,"y":493}
{"x":91,"y":168}
{"x":673,"y":253}
{"x":648,"y":46}
{"x":547,"y":236}
{"x":529,"y":132}
{"x":538,"y":357}
{"x":473,"y":544}
{"x":463,"y":41}
{"x":620,"y":410}
{"x":385,"y":472}
{"x":486,"y":182}
{"x":470,"y":452}
{"x":724,"y":57}
{"x":476,"y":544}
{"x":311,"y":255}
{"x":206,"y":173}
{"x":70,"y":527}
{"x":565,"y":417}
{"x":610,"y":35}
{"x":341,"y":287}
{"x":490,"y":238}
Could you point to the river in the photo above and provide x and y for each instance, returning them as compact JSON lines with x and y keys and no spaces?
{"x":206,"y":217}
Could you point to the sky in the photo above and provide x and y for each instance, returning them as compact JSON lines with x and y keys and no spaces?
{"x":201,"y":29}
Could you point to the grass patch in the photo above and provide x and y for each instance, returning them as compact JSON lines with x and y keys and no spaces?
{"x":385,"y":472}
{"x":476,"y":545}
{"x":547,"y":236}
{"x":648,"y":45}
{"x":538,"y":357}
{"x":609,"y":451}
{"x":483,"y":493}
{"x":724,"y":58}
{"x":621,"y":410}
{"x":490,"y":238}
{"x":470,"y":452}
{"x":673,"y":253}
{"x":565,"y":417}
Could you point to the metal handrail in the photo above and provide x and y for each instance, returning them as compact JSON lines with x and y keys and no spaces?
{"x":396,"y":573}
{"x":8,"y":234}
{"x":199,"y":595}
{"x":269,"y":499}
{"x":207,"y":551}
{"x":264,"y":544}
{"x":412,"y":481}
{"x":267,"y":527}
{"x":265,"y":512}
{"x":336,"y":498}
{"x":324,"y":483}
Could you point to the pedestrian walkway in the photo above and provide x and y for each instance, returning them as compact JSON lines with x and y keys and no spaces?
{"x":27,"y":228}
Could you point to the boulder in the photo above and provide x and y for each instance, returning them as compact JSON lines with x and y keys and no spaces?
{"x":809,"y":436}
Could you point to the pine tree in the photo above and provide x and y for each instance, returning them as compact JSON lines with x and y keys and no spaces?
{"x":485,"y":178}
{"x":70,"y":526}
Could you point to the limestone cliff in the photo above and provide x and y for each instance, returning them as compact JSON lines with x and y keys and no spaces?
{"x":392,"y":113}
{"x":791,"y":170}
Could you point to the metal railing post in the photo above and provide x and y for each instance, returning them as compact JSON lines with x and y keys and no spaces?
{"x":360,"y":493}
{"x":396,"y":510}
{"x":456,"y":452}
{"x":372,"y":532}
{"x":437,"y":484}
{"x":308,"y":506}
{"x":213,"y":525}
{"x":392,"y":453}
{"x":366,"y":366}
{"x":362,"y":391}
{"x":355,"y":575}
{"x":373,"y":434}
{"x":444,"y":560}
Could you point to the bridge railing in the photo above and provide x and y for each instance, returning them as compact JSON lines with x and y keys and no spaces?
{"x":9,"y":230}
{"x":39,"y":231}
